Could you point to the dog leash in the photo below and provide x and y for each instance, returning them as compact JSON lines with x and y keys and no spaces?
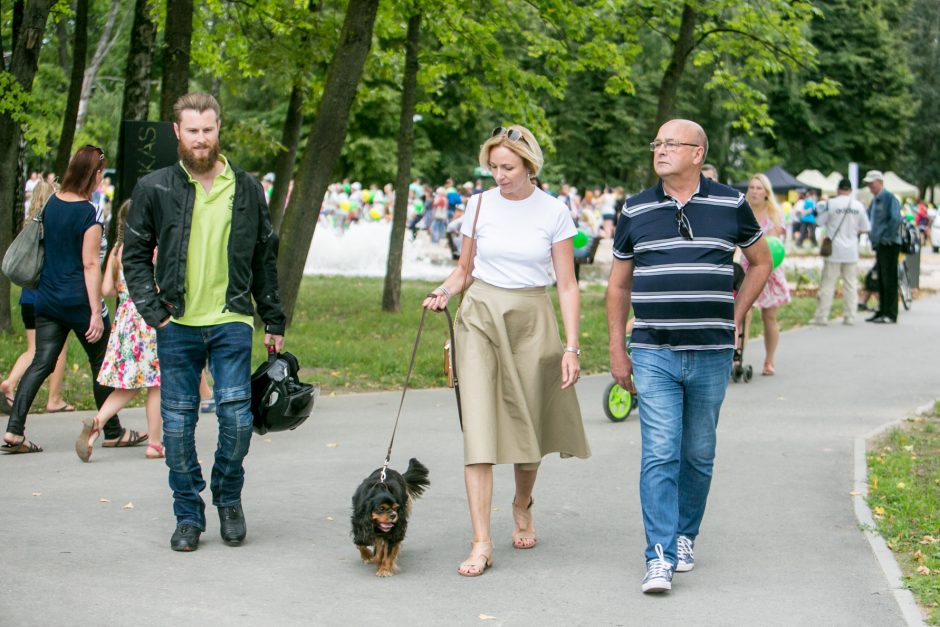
{"x":411,"y":367}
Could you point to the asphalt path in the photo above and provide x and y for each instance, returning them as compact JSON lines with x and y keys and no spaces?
{"x":780,"y":545}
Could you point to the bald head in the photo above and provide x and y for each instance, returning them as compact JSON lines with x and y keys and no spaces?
{"x":688,"y":129}
{"x":681,"y":149}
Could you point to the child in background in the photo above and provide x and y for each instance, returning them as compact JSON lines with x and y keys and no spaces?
{"x":130,"y":363}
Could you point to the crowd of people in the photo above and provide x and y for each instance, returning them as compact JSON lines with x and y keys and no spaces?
{"x":187,"y":299}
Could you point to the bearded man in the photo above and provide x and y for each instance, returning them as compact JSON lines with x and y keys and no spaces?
{"x":215,"y":250}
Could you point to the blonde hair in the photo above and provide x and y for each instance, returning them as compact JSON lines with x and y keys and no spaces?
{"x":198,"y":102}
{"x":773,"y":207}
{"x":121,"y":218}
{"x":41,"y":193}
{"x":526,"y":147}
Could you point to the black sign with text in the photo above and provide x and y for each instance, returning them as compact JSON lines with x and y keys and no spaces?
{"x":145,"y":147}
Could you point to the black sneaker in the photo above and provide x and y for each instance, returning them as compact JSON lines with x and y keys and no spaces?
{"x":232,"y":522}
{"x":185,"y":538}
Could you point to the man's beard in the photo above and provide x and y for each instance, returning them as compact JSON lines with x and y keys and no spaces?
{"x":199,"y":165}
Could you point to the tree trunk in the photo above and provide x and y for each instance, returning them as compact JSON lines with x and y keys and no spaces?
{"x":62,"y":35}
{"x":176,"y":46}
{"x":391,"y":294}
{"x":69,"y":118}
{"x":136,"y":102}
{"x":681,"y":49}
{"x":23,"y":64}
{"x":284,"y":166}
{"x":290,"y":139}
{"x":323,"y":147}
{"x":107,"y":40}
{"x":19,"y":14}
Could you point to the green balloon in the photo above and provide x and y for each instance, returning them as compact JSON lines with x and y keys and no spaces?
{"x":777,"y":250}
{"x":580,"y":239}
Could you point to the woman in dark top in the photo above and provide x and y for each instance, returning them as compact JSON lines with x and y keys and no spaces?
{"x":69,"y":297}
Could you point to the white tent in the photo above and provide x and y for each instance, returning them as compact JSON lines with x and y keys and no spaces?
{"x":816,"y":180}
{"x":899,"y":187}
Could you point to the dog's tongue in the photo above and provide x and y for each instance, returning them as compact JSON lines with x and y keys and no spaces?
{"x":386,"y":526}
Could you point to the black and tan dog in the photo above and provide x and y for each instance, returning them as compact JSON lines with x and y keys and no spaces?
{"x":380,"y":513}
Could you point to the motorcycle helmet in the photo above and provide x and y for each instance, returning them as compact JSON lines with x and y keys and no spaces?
{"x":279,"y":401}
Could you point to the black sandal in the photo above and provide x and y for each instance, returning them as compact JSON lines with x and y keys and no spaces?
{"x":21,"y":447}
{"x":133,"y":439}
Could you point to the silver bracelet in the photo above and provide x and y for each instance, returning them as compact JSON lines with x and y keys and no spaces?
{"x":444,"y":291}
{"x":573,"y":349}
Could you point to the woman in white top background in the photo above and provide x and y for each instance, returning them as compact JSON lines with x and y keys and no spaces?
{"x":516,"y":376}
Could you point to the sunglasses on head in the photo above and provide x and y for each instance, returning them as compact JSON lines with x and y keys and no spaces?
{"x":511,"y":134}
{"x":100,"y":151}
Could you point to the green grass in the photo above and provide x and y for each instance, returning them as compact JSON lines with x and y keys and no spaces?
{"x":904,"y":496}
{"x":346,"y":342}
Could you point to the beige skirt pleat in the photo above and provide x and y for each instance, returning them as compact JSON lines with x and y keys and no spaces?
{"x":509,"y":371}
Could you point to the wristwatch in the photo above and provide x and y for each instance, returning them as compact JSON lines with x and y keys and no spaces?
{"x":573,"y":349}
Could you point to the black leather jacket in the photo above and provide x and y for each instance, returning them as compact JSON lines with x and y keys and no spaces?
{"x":161,"y":215}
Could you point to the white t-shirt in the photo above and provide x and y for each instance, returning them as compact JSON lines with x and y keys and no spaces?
{"x":515,"y":237}
{"x":845,"y":242}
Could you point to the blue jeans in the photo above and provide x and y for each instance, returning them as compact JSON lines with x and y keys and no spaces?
{"x":183,"y":352}
{"x":680,"y":394}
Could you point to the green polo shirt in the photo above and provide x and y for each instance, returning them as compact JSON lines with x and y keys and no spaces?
{"x":207,"y":254}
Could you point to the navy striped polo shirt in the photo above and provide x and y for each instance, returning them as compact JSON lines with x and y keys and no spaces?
{"x":682,"y":289}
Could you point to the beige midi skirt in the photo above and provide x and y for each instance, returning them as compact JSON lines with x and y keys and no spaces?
{"x":509,"y":372}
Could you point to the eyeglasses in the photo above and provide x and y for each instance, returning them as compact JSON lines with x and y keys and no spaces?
{"x":511,"y":134}
{"x":685,"y":229}
{"x":670,"y":144}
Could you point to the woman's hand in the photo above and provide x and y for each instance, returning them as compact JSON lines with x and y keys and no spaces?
{"x":437,"y":300}
{"x":95,"y":328}
{"x":570,"y":369}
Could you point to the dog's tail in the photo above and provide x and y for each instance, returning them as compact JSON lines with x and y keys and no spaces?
{"x":416,"y":478}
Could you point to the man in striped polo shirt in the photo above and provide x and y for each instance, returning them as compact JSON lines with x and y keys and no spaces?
{"x":673,"y":253}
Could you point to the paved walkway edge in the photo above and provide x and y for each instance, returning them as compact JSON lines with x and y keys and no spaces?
{"x":902,"y":595}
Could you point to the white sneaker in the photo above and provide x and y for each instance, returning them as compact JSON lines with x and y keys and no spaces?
{"x":658,"y":573}
{"x":685,"y":557}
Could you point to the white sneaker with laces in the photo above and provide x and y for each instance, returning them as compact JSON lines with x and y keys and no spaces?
{"x":658,"y":573}
{"x":685,"y":557}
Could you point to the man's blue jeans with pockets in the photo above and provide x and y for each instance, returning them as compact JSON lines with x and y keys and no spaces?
{"x":183,"y":352}
{"x":680,"y":394}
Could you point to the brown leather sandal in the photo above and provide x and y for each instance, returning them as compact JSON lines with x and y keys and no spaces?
{"x":479,"y":560}
{"x":85,"y":442}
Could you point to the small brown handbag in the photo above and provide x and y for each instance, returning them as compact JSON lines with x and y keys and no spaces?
{"x":825,"y":248}
{"x":449,"y":355}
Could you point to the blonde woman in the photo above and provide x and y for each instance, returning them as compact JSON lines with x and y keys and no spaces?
{"x":55,"y":402}
{"x":769,"y":215}
{"x":516,"y":374}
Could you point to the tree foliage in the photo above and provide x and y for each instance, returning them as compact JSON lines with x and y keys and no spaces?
{"x":804,"y":83}
{"x":868,"y":121}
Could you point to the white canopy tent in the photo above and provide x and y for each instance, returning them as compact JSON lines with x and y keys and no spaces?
{"x":899,"y":187}
{"x":814,"y":179}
